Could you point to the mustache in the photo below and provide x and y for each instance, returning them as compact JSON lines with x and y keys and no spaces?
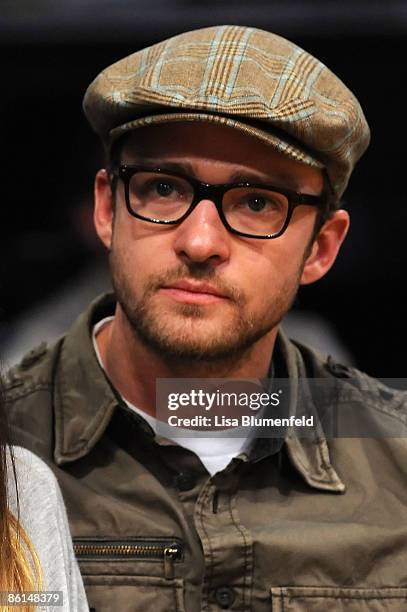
{"x":195,"y":271}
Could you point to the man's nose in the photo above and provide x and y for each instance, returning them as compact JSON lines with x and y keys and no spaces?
{"x":203,"y":236}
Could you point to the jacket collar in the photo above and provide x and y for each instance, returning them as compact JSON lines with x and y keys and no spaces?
{"x":310,"y":455}
{"x":83,"y":398}
{"x":85,"y":402}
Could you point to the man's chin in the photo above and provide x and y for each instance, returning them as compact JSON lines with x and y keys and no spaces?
{"x":196,"y":338}
{"x":193,"y":339}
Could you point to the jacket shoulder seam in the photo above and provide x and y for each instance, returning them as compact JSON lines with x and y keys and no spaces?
{"x":15,"y":393}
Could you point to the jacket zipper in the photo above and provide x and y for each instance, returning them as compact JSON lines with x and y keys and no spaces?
{"x":169,"y":551}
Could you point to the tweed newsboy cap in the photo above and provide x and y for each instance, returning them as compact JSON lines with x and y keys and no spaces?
{"x":246,"y":78}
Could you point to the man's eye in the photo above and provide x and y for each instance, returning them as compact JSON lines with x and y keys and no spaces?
{"x":257,"y":203}
{"x":261,"y":203}
{"x":149,"y":187}
{"x":164,"y":189}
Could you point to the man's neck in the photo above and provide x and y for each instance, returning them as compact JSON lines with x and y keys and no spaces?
{"x":134,"y":367}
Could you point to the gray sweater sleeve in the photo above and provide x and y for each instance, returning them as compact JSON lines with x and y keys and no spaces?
{"x":43,"y":516}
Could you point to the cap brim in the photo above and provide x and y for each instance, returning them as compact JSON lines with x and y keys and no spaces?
{"x":277,"y":139}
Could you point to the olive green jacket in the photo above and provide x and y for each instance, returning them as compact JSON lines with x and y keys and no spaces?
{"x":320,"y":524}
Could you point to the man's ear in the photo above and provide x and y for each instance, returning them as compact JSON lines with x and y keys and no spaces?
{"x":104,"y":209}
{"x":325,"y":247}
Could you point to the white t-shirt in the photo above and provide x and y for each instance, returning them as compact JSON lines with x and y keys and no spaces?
{"x":215,"y":452}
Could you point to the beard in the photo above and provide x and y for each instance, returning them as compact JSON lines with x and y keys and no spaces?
{"x":182,"y":334}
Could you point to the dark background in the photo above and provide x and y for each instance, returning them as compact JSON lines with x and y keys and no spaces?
{"x":51,"y":51}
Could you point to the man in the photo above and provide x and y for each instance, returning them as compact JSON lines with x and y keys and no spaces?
{"x":228,"y":150}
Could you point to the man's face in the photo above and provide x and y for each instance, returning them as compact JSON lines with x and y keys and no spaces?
{"x":195,"y":291}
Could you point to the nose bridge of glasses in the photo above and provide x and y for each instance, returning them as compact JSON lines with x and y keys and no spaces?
{"x":214,"y":193}
{"x":211,"y":194}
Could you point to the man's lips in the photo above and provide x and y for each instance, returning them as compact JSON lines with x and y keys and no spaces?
{"x":193,"y":292}
{"x":194,"y":287}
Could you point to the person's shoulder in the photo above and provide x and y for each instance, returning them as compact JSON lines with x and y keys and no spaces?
{"x":33,"y":373}
{"x":39,"y":496}
{"x":38,"y":489}
{"x":27,"y":393}
{"x":39,"y":367}
{"x":32,"y":471}
{"x":354,"y":387}
{"x":42,"y":514}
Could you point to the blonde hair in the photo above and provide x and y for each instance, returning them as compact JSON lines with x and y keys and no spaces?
{"x":20,"y":569}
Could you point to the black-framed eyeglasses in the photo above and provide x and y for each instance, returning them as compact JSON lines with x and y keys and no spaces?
{"x":253,"y":210}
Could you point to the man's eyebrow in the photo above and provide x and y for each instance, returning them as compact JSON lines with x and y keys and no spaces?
{"x":279,"y":178}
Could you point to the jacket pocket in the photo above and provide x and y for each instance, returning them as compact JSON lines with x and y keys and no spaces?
{"x":338,"y":599}
{"x":134,"y":593}
{"x":132,"y":575}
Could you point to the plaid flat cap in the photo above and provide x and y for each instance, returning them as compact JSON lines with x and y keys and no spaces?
{"x":246,"y":78}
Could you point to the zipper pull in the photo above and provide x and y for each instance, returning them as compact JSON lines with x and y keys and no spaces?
{"x":171,"y":553}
